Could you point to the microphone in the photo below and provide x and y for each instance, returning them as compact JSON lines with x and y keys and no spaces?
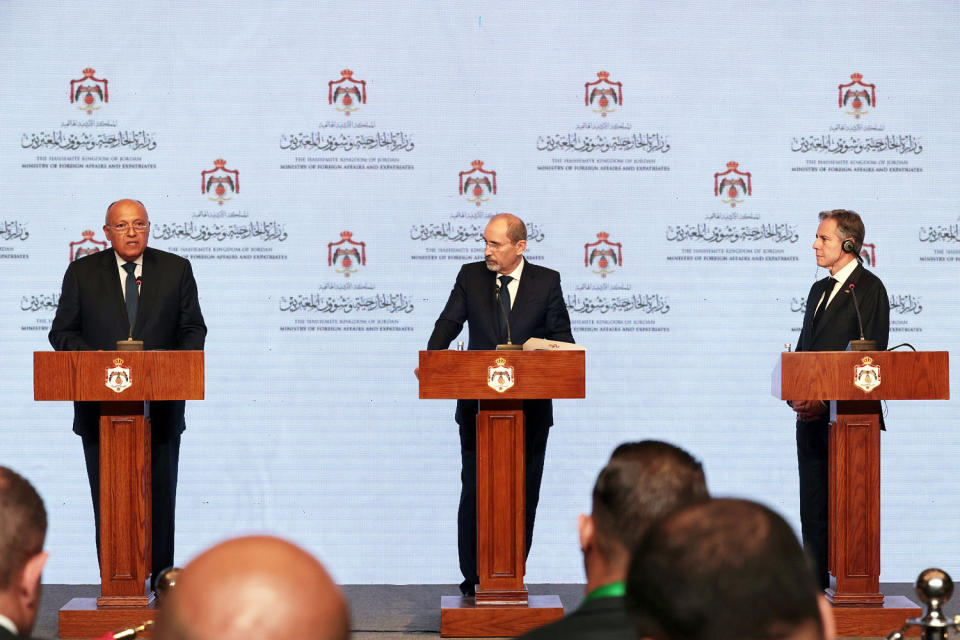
{"x":506,"y":318}
{"x":862,"y":344}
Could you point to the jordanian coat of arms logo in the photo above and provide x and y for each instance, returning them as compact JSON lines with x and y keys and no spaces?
{"x":346,"y":255}
{"x":118,"y":377}
{"x":602,"y":95}
{"x":85,"y":247}
{"x":732,"y":185}
{"x":89,"y":93}
{"x":602,"y":256}
{"x":478,"y":184}
{"x":218,"y":183}
{"x":500,"y":376}
{"x":857,"y":96}
{"x":347,"y":94}
{"x":866,"y":375}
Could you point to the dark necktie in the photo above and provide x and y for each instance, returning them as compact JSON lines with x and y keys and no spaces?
{"x":505,"y":309}
{"x":827,"y":290}
{"x":133,"y":295}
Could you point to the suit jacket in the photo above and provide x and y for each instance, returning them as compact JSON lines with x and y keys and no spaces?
{"x":599,"y":619}
{"x":838,"y":324}
{"x":92,"y":316}
{"x":538,"y":311}
{"x":6,"y":635}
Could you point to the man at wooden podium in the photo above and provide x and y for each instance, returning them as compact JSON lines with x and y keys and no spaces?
{"x":829,"y":323}
{"x":149,"y":295}
{"x":502,"y":295}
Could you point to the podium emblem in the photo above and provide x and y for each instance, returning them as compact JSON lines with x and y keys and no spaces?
{"x":866,"y":375}
{"x":118,"y":377}
{"x":500,"y":376}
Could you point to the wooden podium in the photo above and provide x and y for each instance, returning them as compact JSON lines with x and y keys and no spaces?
{"x":855,"y":382}
{"x":500,"y":380}
{"x":121,"y":381}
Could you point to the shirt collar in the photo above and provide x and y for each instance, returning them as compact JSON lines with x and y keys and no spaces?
{"x":515,"y":274}
{"x":844,"y":273}
{"x":7,"y":624}
{"x":611,"y":590}
{"x":121,"y":261}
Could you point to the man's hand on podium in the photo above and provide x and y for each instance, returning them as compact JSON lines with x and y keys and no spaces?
{"x":808,"y":410}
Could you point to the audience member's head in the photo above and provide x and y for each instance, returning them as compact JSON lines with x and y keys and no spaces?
{"x":23,"y":528}
{"x":642,"y":482}
{"x":254,"y":587}
{"x":725,"y":570}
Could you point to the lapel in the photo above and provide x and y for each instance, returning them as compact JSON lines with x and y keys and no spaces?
{"x":524,"y":290}
{"x":111,"y":284}
{"x":149,"y":286}
{"x":840,"y":301}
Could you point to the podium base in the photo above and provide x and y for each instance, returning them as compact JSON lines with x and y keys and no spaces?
{"x":876,"y":620}
{"x":461,"y":617}
{"x":80,"y":618}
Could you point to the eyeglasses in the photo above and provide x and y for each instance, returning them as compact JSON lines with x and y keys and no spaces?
{"x":123,"y":227}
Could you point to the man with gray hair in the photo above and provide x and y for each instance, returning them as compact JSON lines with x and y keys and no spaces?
{"x":23,"y":528}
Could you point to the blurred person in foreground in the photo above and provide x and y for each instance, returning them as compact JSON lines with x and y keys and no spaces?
{"x":725,"y":570}
{"x":642,"y":482}
{"x":23,"y":528}
{"x":254,"y":587}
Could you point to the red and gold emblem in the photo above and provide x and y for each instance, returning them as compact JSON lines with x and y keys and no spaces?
{"x":346,"y":255}
{"x":86,"y":246}
{"x":732,"y":186}
{"x":602,"y":95}
{"x":478,"y":184}
{"x":602,"y":256}
{"x":347,"y":93}
{"x":857,"y":96}
{"x":220,"y":183}
{"x":89,"y":93}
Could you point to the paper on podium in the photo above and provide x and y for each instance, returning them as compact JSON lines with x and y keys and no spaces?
{"x":539,"y":344}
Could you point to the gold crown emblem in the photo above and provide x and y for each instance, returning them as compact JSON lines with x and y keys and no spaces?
{"x":603,"y":75}
{"x":477,"y":164}
{"x":118,"y":362}
{"x":88,"y":72}
{"x":866,"y":360}
{"x":500,"y":362}
{"x":603,"y":235}
{"x":346,"y":235}
{"x":219,"y":163}
{"x":87,"y":235}
{"x":346,"y":73}
{"x":856,"y":77}
{"x":733,"y":165}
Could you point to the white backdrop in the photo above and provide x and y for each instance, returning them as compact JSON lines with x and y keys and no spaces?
{"x":312,"y":427}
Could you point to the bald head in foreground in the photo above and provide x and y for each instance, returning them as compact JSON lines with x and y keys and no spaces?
{"x":254,"y":587}
{"x":725,"y":570}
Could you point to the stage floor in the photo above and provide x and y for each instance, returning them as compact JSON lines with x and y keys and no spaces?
{"x":409,"y":611}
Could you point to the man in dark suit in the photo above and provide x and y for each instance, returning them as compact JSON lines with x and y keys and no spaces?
{"x":23,"y":528}
{"x":483,"y":292}
{"x":642,"y":482}
{"x":829,"y":323}
{"x":149,"y":295}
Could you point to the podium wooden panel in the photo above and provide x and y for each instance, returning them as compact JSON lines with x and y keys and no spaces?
{"x":125,"y":495}
{"x":854,"y":462}
{"x":502,"y":606}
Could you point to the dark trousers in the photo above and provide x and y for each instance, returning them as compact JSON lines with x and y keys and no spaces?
{"x":164,"y":460}
{"x":813,"y":462}
{"x":535,"y":445}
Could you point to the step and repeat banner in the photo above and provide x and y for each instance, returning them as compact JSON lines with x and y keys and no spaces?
{"x":328,"y":169}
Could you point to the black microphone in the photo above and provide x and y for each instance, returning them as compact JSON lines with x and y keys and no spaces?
{"x":861,"y":344}
{"x":506,"y":318}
